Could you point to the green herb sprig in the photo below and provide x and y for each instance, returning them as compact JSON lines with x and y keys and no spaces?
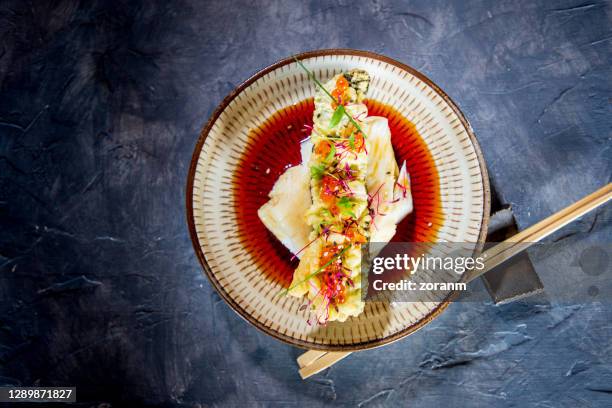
{"x":337,"y":116}
{"x":312,"y":275}
{"x":339,"y":110}
{"x":317,"y":171}
{"x":346,"y":205}
{"x":332,"y":152}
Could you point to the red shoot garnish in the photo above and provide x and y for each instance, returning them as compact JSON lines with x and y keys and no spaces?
{"x":371,"y":198}
{"x":348,"y":172}
{"x":403,"y":188}
{"x":360,"y":116}
{"x":304,"y":248}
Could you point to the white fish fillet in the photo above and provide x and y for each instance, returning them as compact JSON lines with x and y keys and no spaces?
{"x":385,"y":183}
{"x":283,"y":214}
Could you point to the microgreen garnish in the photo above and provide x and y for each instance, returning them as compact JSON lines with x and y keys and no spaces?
{"x":320,"y":85}
{"x":301,"y":250}
{"x":316,"y":171}
{"x":326,"y":212}
{"x":312,"y":275}
{"x":352,"y":140}
{"x":346,"y":206}
{"x":336,"y":117}
{"x":332,"y":152}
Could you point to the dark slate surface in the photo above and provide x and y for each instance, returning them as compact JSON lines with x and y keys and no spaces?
{"x":100,"y":107}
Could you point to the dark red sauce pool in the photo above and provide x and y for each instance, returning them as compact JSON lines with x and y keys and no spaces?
{"x":275,"y":145}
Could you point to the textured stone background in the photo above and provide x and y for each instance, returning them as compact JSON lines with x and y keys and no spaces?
{"x":100,"y":107}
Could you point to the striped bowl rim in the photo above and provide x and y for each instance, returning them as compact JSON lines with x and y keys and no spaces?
{"x":190,"y":190}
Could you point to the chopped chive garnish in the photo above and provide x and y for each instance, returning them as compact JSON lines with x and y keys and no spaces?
{"x":352,"y":140}
{"x":345,"y":202}
{"x":336,"y":117}
{"x":316,"y":171}
{"x":332,"y":152}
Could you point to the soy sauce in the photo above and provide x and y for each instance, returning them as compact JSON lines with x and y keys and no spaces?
{"x":275,"y":145}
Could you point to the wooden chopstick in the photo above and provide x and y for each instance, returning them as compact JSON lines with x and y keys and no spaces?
{"x":524,"y":239}
{"x":314,"y":361}
{"x":309,"y":357}
{"x":326,"y":360}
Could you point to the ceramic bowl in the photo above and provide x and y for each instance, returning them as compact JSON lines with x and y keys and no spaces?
{"x":234,"y":261}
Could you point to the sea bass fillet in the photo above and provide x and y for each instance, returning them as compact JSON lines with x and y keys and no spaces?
{"x":283,"y":214}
